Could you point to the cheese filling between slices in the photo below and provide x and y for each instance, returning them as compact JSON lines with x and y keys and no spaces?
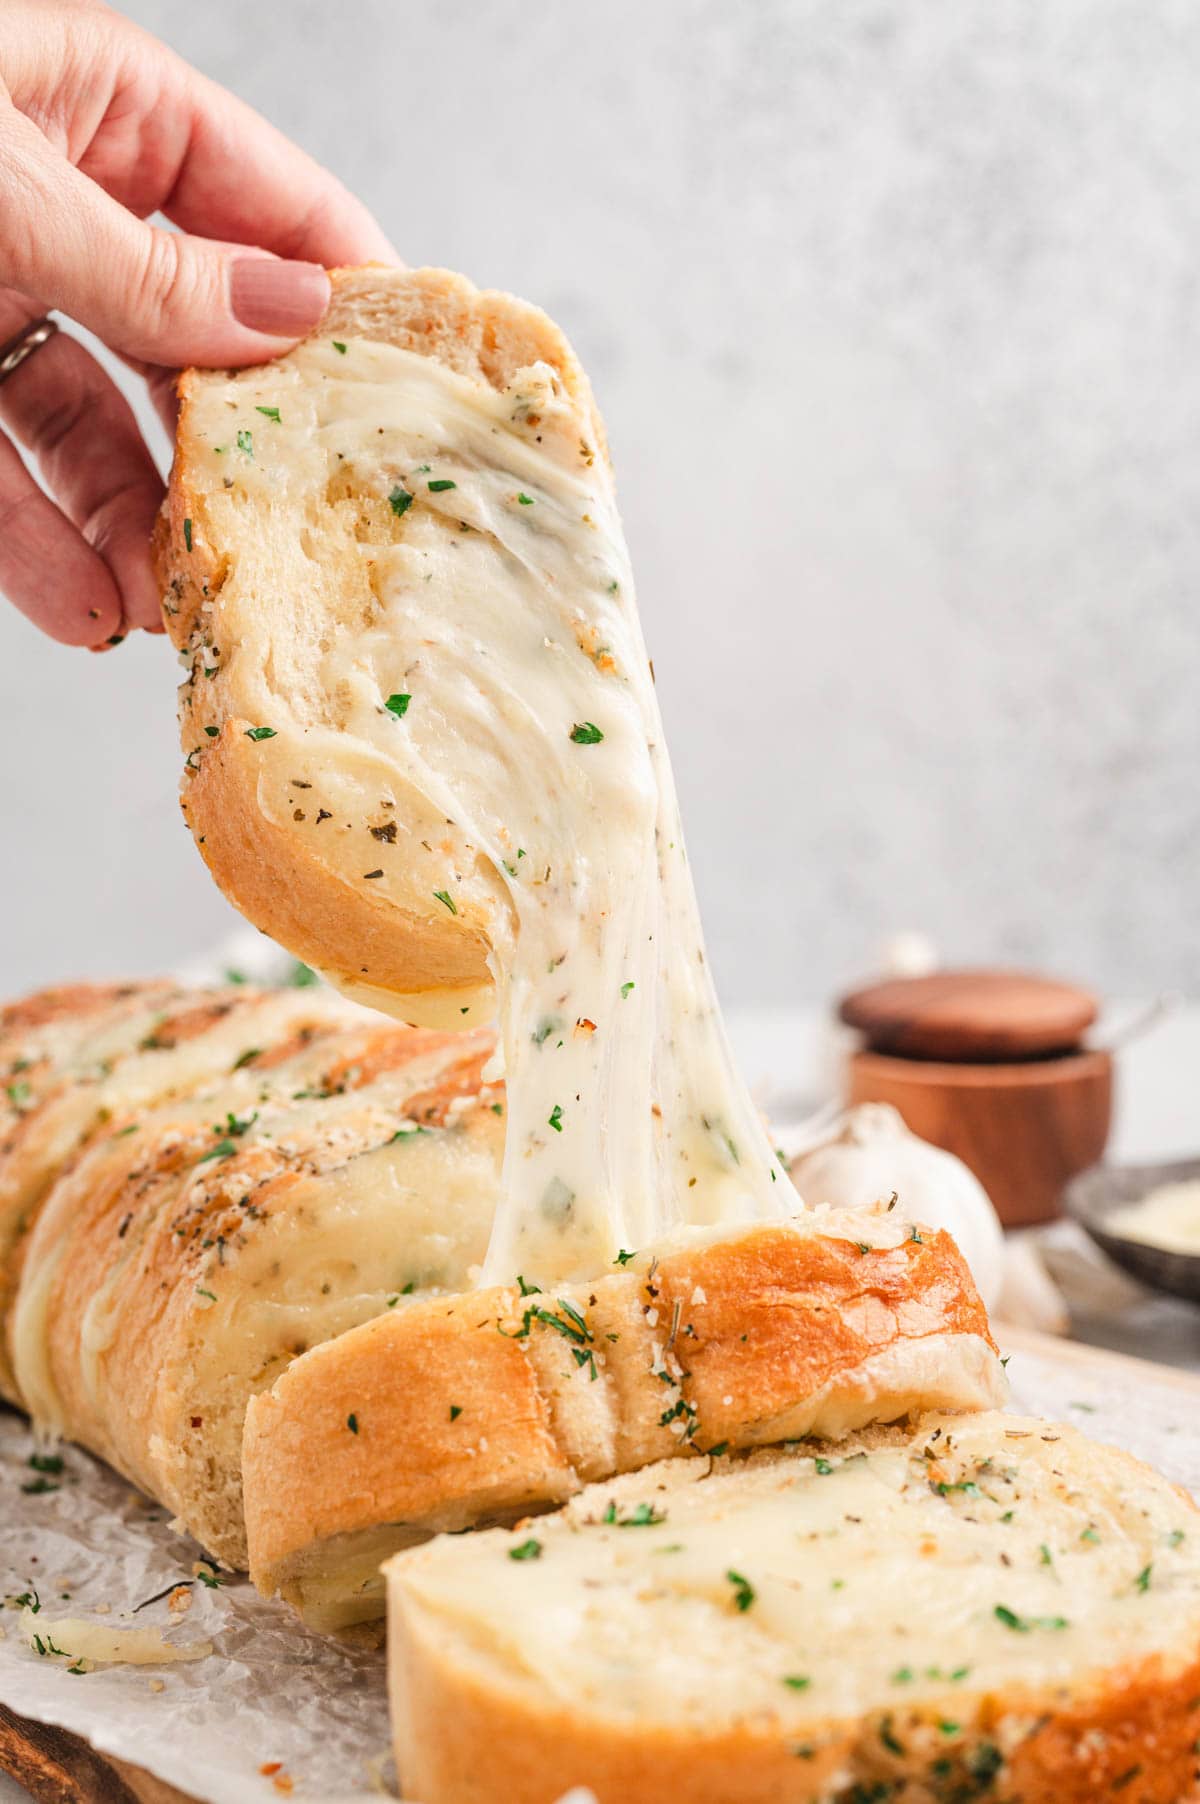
{"x":500,"y":704}
{"x":984,"y":1553}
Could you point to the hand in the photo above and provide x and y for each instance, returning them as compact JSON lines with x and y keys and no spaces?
{"x":100,"y":126}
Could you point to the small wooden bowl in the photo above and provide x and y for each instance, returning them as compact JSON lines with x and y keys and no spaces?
{"x":988,"y":1065}
{"x":1024,"y":1129}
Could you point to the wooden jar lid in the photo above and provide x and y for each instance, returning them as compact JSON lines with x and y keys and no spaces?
{"x":971,"y":1016}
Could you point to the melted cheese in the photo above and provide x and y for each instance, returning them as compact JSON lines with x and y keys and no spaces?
{"x":72,"y":1638}
{"x":985,"y":1552}
{"x":142,"y":1080}
{"x":527,"y":775}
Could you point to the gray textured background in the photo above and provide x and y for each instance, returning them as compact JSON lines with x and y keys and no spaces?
{"x":893,"y":312}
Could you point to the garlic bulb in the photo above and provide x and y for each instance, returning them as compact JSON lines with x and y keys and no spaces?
{"x":868,"y":1152}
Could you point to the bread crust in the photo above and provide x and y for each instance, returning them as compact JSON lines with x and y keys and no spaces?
{"x":396,"y":942}
{"x":475,"y":1407}
{"x":1134,"y":1738}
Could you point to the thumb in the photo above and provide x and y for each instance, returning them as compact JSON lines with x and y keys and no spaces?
{"x":159,"y":296}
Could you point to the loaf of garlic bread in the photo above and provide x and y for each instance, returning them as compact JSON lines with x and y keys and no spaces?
{"x":206,"y":1187}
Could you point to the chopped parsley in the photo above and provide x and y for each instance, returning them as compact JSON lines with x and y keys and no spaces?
{"x":824,"y":1467}
{"x":270,"y":413}
{"x":796,"y":1682}
{"x":236,"y":1126}
{"x":398,"y":705}
{"x":260,"y":732}
{"x":1142,"y":1581}
{"x":643,"y":1515}
{"x":302,"y":977}
{"x":446,"y":900}
{"x":455,"y":1411}
{"x":555,"y":1118}
{"x":528,"y":1550}
{"x":19,"y":1094}
{"x":1023,"y":1624}
{"x":623,"y":1257}
{"x":400,"y":500}
{"x":523,"y":498}
{"x":187,"y":534}
{"x":46,"y":1462}
{"x":572,"y":1325}
{"x":352,"y":1423}
{"x":407,"y":1133}
{"x":212,"y":731}
{"x":627,"y":988}
{"x":338,"y":346}
{"x":743,"y":1591}
{"x":245,"y":442}
{"x":224,"y":1149}
{"x":585,"y":732}
{"x":210,"y":1294}
{"x":440,"y":486}
{"x":38,"y":1487}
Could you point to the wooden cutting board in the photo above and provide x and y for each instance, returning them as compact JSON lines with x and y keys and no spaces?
{"x":56,"y":1767}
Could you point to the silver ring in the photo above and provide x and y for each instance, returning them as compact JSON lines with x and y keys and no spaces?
{"x":28,"y":340}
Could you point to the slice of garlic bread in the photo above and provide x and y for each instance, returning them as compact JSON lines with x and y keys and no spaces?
{"x":286,"y":529}
{"x":448,"y":1412}
{"x":974,"y":1608}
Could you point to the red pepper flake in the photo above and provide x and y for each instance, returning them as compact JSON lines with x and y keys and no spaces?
{"x":270,"y":1766}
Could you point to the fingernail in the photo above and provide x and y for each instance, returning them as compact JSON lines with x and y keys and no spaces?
{"x":283,"y":299}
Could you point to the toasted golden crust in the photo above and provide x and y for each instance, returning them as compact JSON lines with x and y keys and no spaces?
{"x":394,"y":943}
{"x":1134,"y":1739}
{"x":489,"y":1404}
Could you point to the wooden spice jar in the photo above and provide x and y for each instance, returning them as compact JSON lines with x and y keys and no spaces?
{"x":989,"y":1065}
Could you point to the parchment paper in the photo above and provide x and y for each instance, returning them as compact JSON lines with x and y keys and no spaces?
{"x":273,"y":1692}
